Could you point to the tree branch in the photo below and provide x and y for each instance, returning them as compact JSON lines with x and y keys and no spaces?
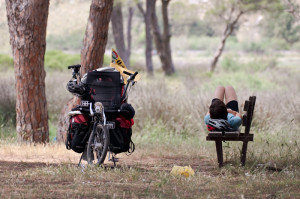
{"x":292,"y":9}
{"x":140,"y":7}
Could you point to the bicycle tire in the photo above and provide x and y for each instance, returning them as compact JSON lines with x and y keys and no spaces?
{"x":98,"y":145}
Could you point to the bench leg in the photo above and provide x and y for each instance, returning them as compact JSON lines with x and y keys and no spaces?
{"x":244,"y":152}
{"x":219,"y":152}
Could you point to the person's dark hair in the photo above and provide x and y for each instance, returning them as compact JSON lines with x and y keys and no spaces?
{"x":218,"y":110}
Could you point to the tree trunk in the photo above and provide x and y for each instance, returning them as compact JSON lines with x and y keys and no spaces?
{"x":117,"y":28}
{"x":227,"y":32}
{"x":27,"y":21}
{"x":129,"y":26}
{"x":168,"y":64}
{"x":147,"y":18}
{"x":162,"y":42}
{"x":92,"y":52}
{"x":219,"y":52}
{"x":157,"y":35}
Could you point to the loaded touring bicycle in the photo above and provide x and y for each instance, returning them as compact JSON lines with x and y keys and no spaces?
{"x":102,"y":122}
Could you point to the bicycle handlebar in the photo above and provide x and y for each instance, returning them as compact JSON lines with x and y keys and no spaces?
{"x":130,"y":79}
{"x":77,"y":66}
{"x":75,"y":70}
{"x":131,"y":76}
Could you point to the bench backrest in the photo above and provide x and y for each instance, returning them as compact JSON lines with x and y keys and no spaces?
{"x":247,"y":117}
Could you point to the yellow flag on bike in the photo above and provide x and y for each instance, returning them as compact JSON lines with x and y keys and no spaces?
{"x":115,"y":58}
{"x":117,"y":63}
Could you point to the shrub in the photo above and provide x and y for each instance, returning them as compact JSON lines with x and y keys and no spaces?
{"x":230,"y":63}
{"x":58,"y":60}
{"x":7,"y":101}
{"x":202,"y":43}
{"x":6,"y":62}
{"x":71,"y":41}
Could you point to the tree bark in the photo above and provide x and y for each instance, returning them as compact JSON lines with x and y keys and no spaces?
{"x":117,"y":28}
{"x":147,"y":18}
{"x":162,"y":41}
{"x":168,"y":64}
{"x":129,"y":27}
{"x":92,"y":52}
{"x":27,"y":21}
{"x":227,"y":32}
{"x":157,"y":35}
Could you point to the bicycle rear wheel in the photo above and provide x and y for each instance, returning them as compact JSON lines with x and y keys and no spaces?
{"x":98,"y":145}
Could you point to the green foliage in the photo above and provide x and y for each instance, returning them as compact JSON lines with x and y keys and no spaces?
{"x":6,"y":62}
{"x":52,"y":130}
{"x":284,"y":26}
{"x":58,"y":60}
{"x":230,"y":63}
{"x":229,"y":11}
{"x":240,"y":80}
{"x":54,"y":60}
{"x":7,"y":102}
{"x":265,"y":45}
{"x":257,"y":47}
{"x":200,"y":28}
{"x":201,"y":43}
{"x":69,"y":41}
{"x":7,"y":116}
{"x":296,"y":46}
{"x":185,"y":20}
{"x":106,"y":60}
{"x":7,"y":133}
{"x":233,"y":64}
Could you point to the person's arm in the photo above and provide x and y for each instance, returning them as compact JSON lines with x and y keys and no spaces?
{"x":234,"y":113}
{"x":207,"y":117}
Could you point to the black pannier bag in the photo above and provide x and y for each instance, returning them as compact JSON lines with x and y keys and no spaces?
{"x":78,"y":133}
{"x":120,"y":136}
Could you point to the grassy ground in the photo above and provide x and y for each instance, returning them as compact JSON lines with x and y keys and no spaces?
{"x":168,"y":131}
{"x":52,"y":172}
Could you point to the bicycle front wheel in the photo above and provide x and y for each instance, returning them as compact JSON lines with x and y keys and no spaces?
{"x":98,"y":145}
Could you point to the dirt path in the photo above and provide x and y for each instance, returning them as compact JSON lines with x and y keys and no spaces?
{"x":51,"y":171}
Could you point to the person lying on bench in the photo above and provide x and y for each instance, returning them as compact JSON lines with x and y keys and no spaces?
{"x":221,"y":117}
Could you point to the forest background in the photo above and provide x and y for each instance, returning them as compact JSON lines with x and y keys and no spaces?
{"x":261,"y":58}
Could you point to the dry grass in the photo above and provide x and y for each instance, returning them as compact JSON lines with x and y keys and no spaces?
{"x":50,"y":153}
{"x":168,"y":131}
{"x":50,"y":171}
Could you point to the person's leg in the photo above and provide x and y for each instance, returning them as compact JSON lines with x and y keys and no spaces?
{"x":231,"y":98}
{"x":230,"y":94}
{"x":219,"y":93}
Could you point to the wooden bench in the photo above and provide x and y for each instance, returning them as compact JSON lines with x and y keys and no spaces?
{"x":245,"y":137}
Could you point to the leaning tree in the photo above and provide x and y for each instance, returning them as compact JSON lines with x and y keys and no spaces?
{"x":92,"y":52}
{"x":27,"y":21}
{"x":229,"y":13}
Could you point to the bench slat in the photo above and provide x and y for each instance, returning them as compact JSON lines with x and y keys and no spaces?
{"x":246,"y":106}
{"x":241,"y":137}
{"x":244,"y":120}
